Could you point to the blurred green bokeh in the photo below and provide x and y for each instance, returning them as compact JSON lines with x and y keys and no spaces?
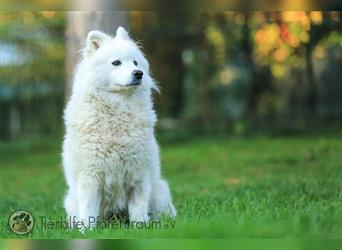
{"x":226,"y":72}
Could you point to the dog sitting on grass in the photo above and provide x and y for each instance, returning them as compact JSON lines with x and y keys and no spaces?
{"x":110,"y":154}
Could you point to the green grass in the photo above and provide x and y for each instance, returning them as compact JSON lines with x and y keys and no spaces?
{"x":235,"y":188}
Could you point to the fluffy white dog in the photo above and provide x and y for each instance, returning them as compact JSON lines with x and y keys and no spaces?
{"x":110,"y":154}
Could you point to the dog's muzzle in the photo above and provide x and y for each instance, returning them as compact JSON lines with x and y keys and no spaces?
{"x":137,"y":77}
{"x":135,"y":82}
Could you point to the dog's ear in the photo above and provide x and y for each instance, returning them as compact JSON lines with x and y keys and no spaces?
{"x":122,"y":33}
{"x":95,"y":40}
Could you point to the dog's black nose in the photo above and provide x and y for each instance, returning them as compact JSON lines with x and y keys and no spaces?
{"x":137,"y":74}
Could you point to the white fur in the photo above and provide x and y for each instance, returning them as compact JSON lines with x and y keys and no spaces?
{"x":110,"y":154}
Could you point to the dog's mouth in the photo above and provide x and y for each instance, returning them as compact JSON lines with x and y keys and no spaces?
{"x":133,"y":83}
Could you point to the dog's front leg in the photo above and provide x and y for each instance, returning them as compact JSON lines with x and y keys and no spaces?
{"x":89,"y":197}
{"x":139,"y":201}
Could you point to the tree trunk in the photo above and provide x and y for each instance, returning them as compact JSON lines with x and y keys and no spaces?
{"x":247,"y":47}
{"x":78,"y":26}
{"x":312,"y":91}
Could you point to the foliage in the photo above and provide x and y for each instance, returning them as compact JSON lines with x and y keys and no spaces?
{"x":32,"y":73}
{"x":257,"y":68}
{"x":218,"y":71}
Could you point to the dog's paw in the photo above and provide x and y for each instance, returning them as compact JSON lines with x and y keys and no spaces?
{"x":139,"y":217}
{"x":88,"y":224}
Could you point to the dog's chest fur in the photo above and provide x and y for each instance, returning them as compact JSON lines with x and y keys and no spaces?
{"x":118,"y":136}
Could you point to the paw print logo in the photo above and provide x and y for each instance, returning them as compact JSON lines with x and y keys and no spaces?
{"x":21,"y":222}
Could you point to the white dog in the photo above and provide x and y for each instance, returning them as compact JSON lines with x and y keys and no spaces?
{"x":110,"y":154}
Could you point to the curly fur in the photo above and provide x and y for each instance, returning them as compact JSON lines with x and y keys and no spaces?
{"x":110,"y":154}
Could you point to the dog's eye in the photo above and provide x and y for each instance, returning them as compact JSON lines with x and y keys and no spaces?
{"x":116,"y":63}
{"x":135,"y":63}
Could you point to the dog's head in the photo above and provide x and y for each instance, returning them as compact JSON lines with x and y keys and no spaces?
{"x":116,"y":64}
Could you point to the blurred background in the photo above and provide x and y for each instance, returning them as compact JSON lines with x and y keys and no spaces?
{"x":220,"y":73}
{"x":250,"y":111}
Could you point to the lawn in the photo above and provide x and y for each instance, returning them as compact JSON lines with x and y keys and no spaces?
{"x":259,"y":187}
